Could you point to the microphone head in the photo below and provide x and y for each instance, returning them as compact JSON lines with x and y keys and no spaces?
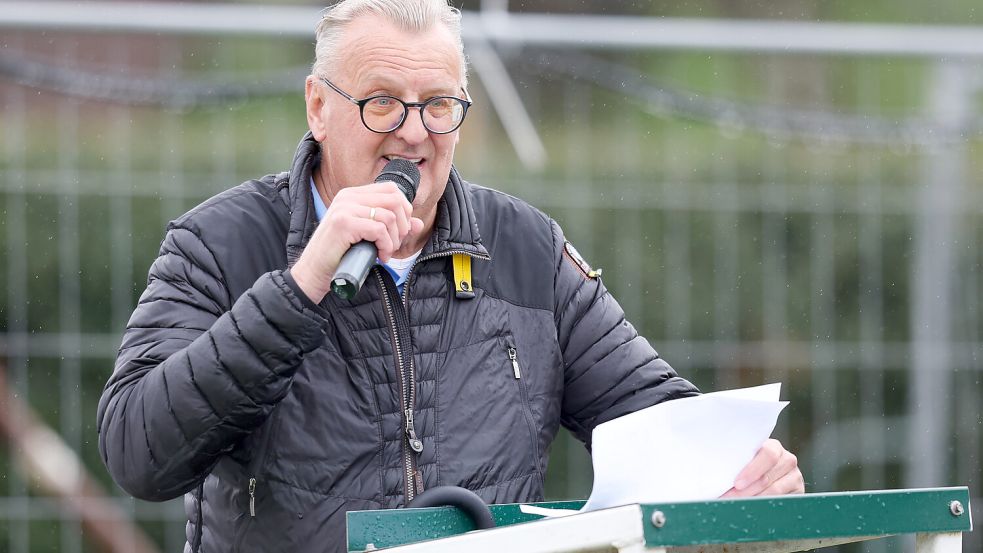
{"x":404,"y":173}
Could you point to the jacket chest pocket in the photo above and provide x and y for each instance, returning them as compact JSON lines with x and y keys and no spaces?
{"x":522,"y":388}
{"x":486,"y":430}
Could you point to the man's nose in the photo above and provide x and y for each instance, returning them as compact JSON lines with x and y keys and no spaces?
{"x":412,"y":130}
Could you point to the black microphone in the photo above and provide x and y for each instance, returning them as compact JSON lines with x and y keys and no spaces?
{"x":357,"y":261}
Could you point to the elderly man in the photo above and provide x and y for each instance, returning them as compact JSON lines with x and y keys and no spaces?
{"x":276,"y":406}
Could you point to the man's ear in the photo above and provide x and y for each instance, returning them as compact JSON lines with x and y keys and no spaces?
{"x":315,"y":108}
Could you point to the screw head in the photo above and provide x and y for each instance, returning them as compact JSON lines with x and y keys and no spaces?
{"x":956,"y":508}
{"x":658,"y":519}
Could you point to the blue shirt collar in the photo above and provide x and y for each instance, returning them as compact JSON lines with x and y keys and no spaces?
{"x":319,"y":208}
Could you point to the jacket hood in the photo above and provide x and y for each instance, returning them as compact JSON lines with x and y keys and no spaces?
{"x":455,"y":227}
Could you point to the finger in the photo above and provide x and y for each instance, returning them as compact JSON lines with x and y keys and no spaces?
{"x":379,"y":193}
{"x":786,"y":464}
{"x":362,"y":204}
{"x":401,"y":220}
{"x":385,"y":188}
{"x":362,"y":228}
{"x":389,"y":220}
{"x":786,"y":477}
{"x":407,"y":204}
{"x":395,"y":187}
{"x":791,"y":482}
{"x":383,"y":206}
{"x":372,"y":187}
{"x":394,"y":233}
{"x":403,"y":209}
{"x":766,"y":458}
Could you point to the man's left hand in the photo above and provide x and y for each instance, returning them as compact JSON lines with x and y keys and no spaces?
{"x":773,"y":471}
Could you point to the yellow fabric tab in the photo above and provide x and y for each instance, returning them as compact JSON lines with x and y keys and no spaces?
{"x":462,"y":276}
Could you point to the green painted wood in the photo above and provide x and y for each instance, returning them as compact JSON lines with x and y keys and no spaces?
{"x":809,"y":516}
{"x":391,"y":527}
{"x":786,"y":518}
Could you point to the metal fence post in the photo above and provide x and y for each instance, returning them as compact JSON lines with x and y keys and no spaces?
{"x":936,"y":231}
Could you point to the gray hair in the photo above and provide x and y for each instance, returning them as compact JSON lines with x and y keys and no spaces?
{"x":409,"y":15}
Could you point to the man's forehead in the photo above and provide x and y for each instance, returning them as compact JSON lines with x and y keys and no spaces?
{"x":395,"y":81}
{"x":371,"y":46}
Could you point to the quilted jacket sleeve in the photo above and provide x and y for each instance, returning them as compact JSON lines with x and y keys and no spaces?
{"x":610,"y":370}
{"x":196,"y":372}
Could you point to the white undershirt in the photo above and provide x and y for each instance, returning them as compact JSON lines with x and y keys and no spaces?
{"x":402,"y":266}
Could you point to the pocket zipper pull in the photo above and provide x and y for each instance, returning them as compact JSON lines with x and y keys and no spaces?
{"x":515,"y":363}
{"x":252,"y":497}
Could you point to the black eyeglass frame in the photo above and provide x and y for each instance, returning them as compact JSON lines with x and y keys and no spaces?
{"x":465,"y":103}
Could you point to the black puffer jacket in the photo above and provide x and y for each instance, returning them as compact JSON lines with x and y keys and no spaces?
{"x":276,"y":416}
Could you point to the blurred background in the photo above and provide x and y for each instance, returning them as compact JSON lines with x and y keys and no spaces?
{"x":776,"y":191}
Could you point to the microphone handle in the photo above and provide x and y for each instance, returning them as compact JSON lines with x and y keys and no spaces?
{"x":353,"y":269}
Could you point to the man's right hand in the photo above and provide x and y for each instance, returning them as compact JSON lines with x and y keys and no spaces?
{"x":350,"y":219}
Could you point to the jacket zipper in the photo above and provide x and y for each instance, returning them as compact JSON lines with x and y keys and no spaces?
{"x":253,"y":470}
{"x":252,"y":497}
{"x":513,"y":354}
{"x":251,"y":488}
{"x":399,"y":327}
{"x":256,"y":464}
{"x":443,"y":253}
{"x":200,"y":519}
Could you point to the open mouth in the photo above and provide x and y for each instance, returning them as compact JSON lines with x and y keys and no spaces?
{"x":419,"y":161}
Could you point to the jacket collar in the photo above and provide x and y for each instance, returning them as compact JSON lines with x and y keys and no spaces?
{"x":455,"y":227}
{"x":302,"y":218}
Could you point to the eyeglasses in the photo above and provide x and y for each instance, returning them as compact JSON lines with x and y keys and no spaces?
{"x":384,"y":113}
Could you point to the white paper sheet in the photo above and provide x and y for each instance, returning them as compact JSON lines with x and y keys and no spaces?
{"x":682,"y":450}
{"x":546,"y":512}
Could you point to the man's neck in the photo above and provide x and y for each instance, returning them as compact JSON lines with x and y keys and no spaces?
{"x":413,"y":244}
